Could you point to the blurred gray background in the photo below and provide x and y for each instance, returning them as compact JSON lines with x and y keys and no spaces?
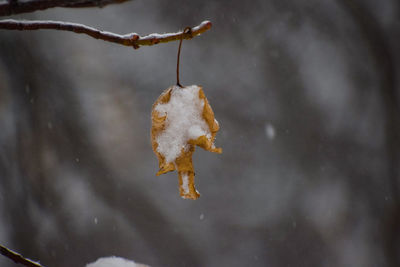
{"x":307,"y":96}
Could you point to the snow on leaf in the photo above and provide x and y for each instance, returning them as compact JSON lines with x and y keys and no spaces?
{"x":181,"y":119}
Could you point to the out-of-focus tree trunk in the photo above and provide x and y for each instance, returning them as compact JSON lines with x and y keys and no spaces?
{"x":382,"y":52}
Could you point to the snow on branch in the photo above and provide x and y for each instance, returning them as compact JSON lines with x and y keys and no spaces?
{"x":130,"y":39}
{"x":114,"y":262}
{"x":18,"y":258}
{"x":11,"y":7}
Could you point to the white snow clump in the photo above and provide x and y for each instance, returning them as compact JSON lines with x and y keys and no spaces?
{"x":185,"y":183}
{"x":184,"y":121}
{"x":113,"y":262}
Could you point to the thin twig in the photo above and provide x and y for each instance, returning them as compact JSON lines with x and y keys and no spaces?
{"x":18,"y":258}
{"x":16,"y":7}
{"x":186,"y":30}
{"x":130,"y":39}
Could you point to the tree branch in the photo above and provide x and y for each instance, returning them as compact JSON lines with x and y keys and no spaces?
{"x":18,"y":258}
{"x":130,"y":39}
{"x":11,"y":7}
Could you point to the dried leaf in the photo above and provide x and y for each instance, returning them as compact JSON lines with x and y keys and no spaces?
{"x":181,"y":119}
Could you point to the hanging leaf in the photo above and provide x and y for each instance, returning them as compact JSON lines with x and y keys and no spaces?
{"x":181,"y":119}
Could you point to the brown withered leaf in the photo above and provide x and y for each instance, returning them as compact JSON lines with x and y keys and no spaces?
{"x":183,"y":160}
